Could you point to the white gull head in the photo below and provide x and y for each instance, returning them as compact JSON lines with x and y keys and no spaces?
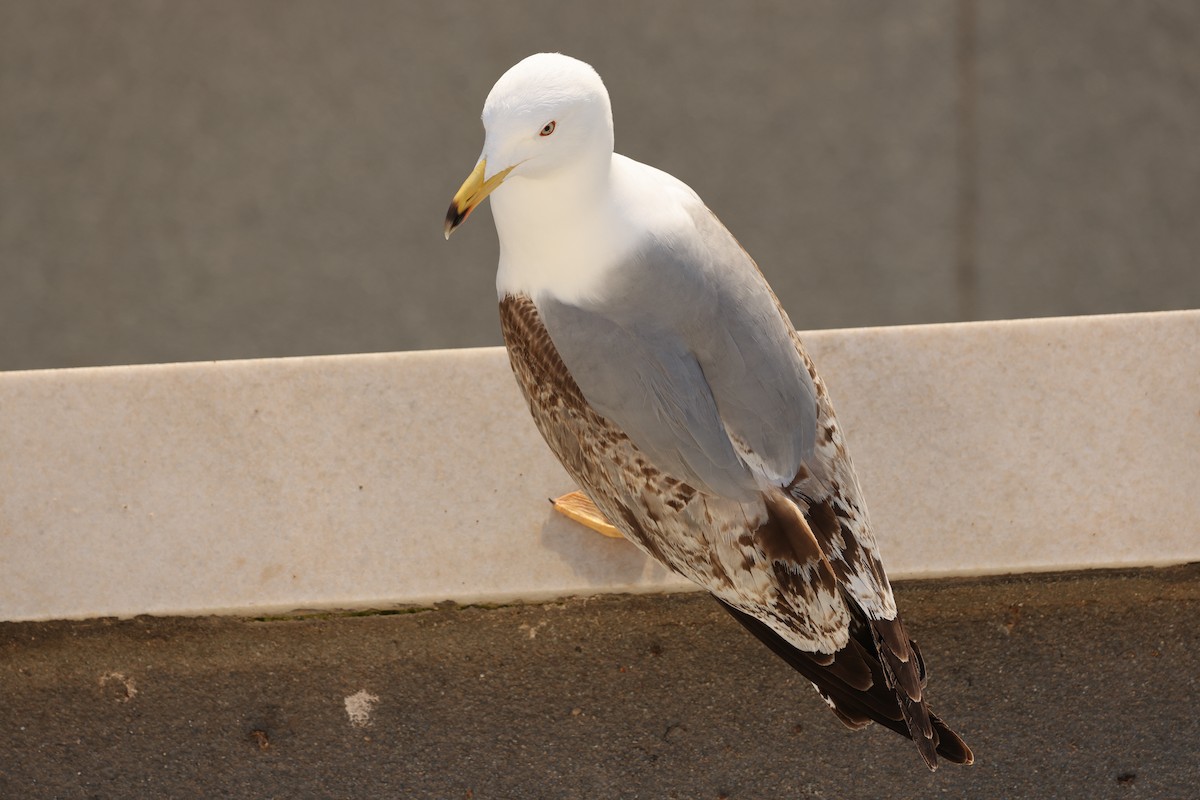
{"x":547,"y":115}
{"x":548,"y":164}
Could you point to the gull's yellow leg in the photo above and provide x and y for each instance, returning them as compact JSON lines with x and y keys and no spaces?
{"x":579,"y":507}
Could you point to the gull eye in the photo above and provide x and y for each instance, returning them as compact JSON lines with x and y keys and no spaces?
{"x":547,"y":129}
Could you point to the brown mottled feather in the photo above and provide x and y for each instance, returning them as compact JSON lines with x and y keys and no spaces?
{"x":800,"y":566}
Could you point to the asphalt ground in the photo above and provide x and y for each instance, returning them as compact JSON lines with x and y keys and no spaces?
{"x":1074,"y":685}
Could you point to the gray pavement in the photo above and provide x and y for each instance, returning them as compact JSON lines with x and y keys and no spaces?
{"x":1081,"y":685}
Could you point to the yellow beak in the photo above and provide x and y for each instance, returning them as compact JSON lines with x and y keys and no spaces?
{"x":471,"y":194}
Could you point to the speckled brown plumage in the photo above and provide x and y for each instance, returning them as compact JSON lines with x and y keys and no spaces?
{"x":799,"y":564}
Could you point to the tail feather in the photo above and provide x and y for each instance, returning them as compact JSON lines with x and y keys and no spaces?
{"x":887,"y":699}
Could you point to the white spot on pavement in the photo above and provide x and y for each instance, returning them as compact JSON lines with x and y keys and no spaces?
{"x":359,"y":706}
{"x":128,"y":689}
{"x":532,"y":630}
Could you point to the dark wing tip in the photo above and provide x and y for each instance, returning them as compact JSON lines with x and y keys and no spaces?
{"x":950,"y":745}
{"x":883,"y":699}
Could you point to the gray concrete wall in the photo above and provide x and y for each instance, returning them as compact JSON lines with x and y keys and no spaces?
{"x":200,"y":180}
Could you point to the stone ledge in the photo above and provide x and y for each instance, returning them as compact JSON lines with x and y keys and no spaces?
{"x":412,"y":478}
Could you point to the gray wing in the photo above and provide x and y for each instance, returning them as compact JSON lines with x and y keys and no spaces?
{"x":691,"y":357}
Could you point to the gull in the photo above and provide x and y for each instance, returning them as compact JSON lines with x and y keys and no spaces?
{"x":665,"y":375}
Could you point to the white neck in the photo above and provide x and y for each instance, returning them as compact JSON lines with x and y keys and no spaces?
{"x":560,"y":234}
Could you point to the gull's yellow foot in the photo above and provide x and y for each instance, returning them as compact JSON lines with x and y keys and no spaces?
{"x":579,"y":507}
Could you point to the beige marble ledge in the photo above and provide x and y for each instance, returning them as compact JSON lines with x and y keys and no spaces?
{"x":409,"y":478}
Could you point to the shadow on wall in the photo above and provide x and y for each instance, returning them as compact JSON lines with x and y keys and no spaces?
{"x":600,"y":560}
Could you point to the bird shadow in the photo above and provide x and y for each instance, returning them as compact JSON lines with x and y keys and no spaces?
{"x":600,"y":561}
